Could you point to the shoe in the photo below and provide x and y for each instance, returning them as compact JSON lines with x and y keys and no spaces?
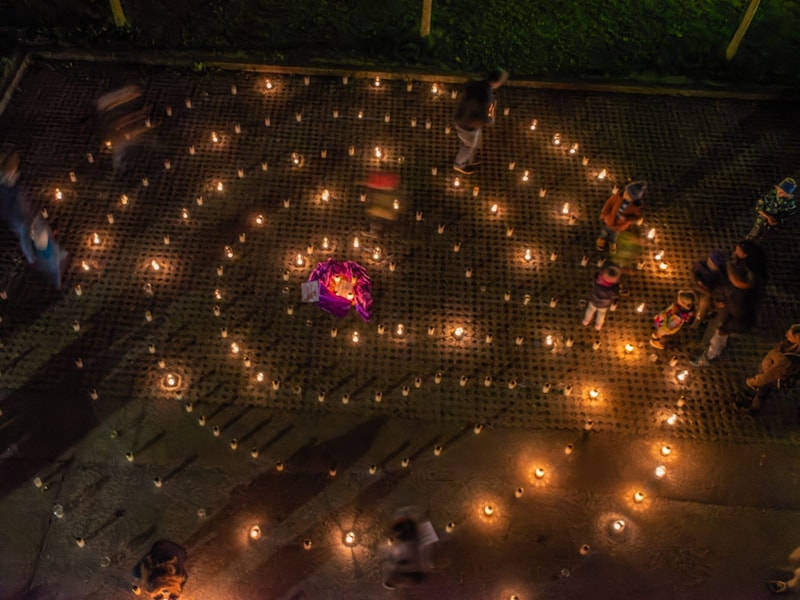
{"x":389,"y":585}
{"x":465,"y":170}
{"x":656,"y":343}
{"x":585,"y":323}
{"x":598,"y":327}
{"x":613,"y":249}
{"x":601,"y":244}
{"x":700,"y":361}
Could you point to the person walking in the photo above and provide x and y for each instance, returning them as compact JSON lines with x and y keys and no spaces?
{"x":604,"y":290}
{"x":618,"y":213}
{"x":476,"y":109}
{"x":708,"y":275}
{"x":774,"y":207}
{"x":736,"y":299}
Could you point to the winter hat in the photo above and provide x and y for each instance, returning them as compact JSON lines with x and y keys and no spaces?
{"x":611,"y":273}
{"x":719,"y":258}
{"x":636,"y":189}
{"x":788,"y":186}
{"x":793,"y":334}
{"x":686,"y":299}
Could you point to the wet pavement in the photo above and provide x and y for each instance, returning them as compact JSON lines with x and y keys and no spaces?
{"x":237,"y":185}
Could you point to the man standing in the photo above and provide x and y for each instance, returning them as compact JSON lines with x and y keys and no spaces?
{"x":475,"y":110}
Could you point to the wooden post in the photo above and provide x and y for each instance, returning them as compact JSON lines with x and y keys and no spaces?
{"x":730,"y":52}
{"x":119,"y":16}
{"x":425,"y":22}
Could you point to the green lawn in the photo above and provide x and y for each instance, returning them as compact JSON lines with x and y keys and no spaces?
{"x":615,"y":40}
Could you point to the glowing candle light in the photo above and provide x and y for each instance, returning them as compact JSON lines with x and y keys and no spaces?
{"x":663,"y":266}
{"x":666,"y":450}
{"x":299,"y":260}
{"x":234,"y":348}
{"x":458,"y":333}
{"x":493,"y":209}
{"x":437,"y":450}
{"x":593,"y":393}
{"x":525,"y":177}
{"x":171,"y":380}
{"x":260,"y":376}
{"x":509,"y":232}
{"x":539,"y":473}
{"x":349,"y":538}
{"x":629,"y":348}
{"x":651,"y":234}
{"x":556,"y":139}
{"x":534,"y":125}
{"x":542,"y":192}
{"x":268,"y":85}
{"x":396,"y":204}
{"x":463,"y":382}
{"x":565,"y":208}
{"x":418,"y":382}
{"x":377,"y":82}
{"x":682,"y":376}
{"x":672,"y":419}
{"x":602,"y":174}
{"x":355,"y":337}
{"x":456,"y":182}
{"x":96,"y":239}
{"x":568,"y":449}
{"x":437,"y":378}
{"x":435,"y":89}
{"x":573,"y":149}
{"x":660,"y":471}
{"x":548,"y":340}
{"x":59,"y":195}
{"x":640,"y":308}
{"x":377,"y":152}
{"x":528,"y":257}
{"x":255,"y":532}
{"x":638,"y":497}
{"x":400,"y":330}
{"x":553,"y":256}
{"x":618,"y":525}
{"x":488,"y":510}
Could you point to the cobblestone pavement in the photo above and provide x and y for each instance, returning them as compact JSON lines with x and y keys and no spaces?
{"x":236,"y":186}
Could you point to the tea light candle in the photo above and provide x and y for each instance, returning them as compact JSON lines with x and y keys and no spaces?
{"x":602,"y":174}
{"x":666,"y":450}
{"x":629,"y":348}
{"x":660,"y":471}
{"x":638,"y":497}
{"x":539,"y":473}
{"x":458,"y":333}
{"x":534,"y":124}
{"x":488,"y":510}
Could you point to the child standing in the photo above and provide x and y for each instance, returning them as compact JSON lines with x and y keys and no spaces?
{"x":670,"y":320}
{"x":605,"y":289}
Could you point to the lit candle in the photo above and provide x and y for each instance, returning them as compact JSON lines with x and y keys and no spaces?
{"x":666,"y":450}
{"x":573,"y":149}
{"x":458,"y":332}
{"x":268,"y":84}
{"x":437,"y":378}
{"x":234,"y":348}
{"x":618,"y":525}
{"x":350,"y":538}
{"x":185,"y":213}
{"x":553,"y":256}
{"x":509,"y":232}
{"x":462,"y":382}
{"x":376,"y":254}
{"x":556,"y":139}
{"x":638,"y":497}
{"x":299,"y":260}
{"x":682,"y":376}
{"x":255,"y":532}
{"x":487,"y":381}
{"x":629,"y":348}
{"x":528,"y":255}
{"x":548,"y":340}
{"x":437,"y":450}
{"x":59,"y":195}
{"x":355,"y":337}
{"x":456,"y":182}
{"x":565,"y":208}
{"x":651,"y":234}
{"x":96,"y":239}
{"x":539,"y":473}
{"x":378,"y":153}
{"x":356,"y":243}
{"x":377,"y":82}
{"x":593,"y":393}
{"x":661,"y":470}
{"x":640,"y":308}
{"x":400,"y":330}
{"x":542,"y":192}
{"x":602,"y":175}
{"x":488,"y":510}
{"x":672,"y":419}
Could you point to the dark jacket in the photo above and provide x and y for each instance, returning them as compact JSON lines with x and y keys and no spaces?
{"x":474,"y":110}
{"x":738,"y":307}
{"x":603,"y":292}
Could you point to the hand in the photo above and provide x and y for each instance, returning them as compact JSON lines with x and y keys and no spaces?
{"x":615,"y":189}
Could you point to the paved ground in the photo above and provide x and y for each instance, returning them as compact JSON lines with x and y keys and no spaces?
{"x":720,"y":522}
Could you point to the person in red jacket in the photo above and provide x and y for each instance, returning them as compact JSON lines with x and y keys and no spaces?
{"x":619,"y":212}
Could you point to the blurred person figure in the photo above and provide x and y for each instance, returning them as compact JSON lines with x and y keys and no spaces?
{"x":123,"y":118}
{"x":779,"y":368}
{"x":476,"y":109}
{"x":161,"y":573}
{"x":707,"y":275}
{"x":774,"y":207}
{"x":411,"y":543}
{"x":736,"y":299}
{"x":36,"y":240}
{"x":670,"y":320}
{"x":604,"y":290}
{"x":620,"y":211}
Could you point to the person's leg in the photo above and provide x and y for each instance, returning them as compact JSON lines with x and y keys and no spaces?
{"x":602,"y":237}
{"x":601,"y":318}
{"x":716,"y":345}
{"x":590,"y":310}
{"x":470,"y":140}
{"x":758,"y":229}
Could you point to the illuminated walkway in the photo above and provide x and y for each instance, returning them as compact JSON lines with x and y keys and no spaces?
{"x":182,"y":305}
